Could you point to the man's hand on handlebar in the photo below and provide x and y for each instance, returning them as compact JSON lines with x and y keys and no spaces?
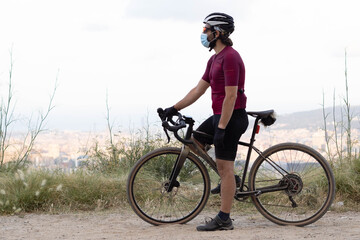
{"x":170,"y":111}
{"x":174,"y":126}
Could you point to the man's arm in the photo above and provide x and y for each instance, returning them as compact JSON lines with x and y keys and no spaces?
{"x":228,"y":106}
{"x":193,"y":95}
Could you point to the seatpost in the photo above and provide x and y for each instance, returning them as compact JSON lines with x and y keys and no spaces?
{"x":255,"y":128}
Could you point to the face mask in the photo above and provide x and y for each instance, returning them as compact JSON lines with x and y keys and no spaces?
{"x":204,"y":40}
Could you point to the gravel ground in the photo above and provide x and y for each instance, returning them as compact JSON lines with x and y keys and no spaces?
{"x":124,"y":224}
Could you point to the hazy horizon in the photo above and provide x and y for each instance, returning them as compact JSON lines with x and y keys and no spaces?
{"x":86,"y":124}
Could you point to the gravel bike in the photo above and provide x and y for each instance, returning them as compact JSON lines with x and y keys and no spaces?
{"x":289,"y":183}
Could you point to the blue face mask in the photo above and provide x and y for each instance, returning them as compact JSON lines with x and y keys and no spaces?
{"x":204,"y":40}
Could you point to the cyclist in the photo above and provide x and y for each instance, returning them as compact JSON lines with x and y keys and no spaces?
{"x":225,"y":74}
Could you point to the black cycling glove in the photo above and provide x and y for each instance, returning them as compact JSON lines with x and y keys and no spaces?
{"x":171,"y":111}
{"x":219,"y":137}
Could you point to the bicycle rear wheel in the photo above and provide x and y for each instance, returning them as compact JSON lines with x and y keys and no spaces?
{"x":147,"y":187}
{"x":307,"y":177}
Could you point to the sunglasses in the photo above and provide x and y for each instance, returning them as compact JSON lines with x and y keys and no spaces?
{"x":205,"y":29}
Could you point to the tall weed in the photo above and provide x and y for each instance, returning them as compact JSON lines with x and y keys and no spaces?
{"x":119,"y":155}
{"x":40,"y":190}
{"x":348,"y":180}
{"x":341,"y":147}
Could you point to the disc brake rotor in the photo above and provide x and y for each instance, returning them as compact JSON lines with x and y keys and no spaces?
{"x":165,"y":187}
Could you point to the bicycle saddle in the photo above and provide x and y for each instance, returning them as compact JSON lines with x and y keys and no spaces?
{"x":261,"y":114}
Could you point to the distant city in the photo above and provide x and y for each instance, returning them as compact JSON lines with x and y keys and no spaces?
{"x":68,"y":149}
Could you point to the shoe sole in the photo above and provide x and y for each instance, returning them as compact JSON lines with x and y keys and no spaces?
{"x":219,"y":229}
{"x":227,"y":228}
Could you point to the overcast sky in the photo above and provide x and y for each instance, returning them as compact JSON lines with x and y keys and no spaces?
{"x":148,"y":54}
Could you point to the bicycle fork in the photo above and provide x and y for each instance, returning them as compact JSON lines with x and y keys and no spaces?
{"x":185,"y":150}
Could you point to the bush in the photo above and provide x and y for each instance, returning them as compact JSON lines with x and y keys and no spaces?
{"x":120,"y":154}
{"x":347,"y":177}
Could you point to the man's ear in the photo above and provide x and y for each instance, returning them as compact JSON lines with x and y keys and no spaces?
{"x":217,"y":33}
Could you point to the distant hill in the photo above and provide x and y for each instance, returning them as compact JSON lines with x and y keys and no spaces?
{"x":314,"y":119}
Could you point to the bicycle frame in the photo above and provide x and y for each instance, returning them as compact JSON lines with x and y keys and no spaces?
{"x":241,"y":193}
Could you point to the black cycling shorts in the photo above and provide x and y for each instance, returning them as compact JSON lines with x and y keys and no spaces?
{"x":236,"y":127}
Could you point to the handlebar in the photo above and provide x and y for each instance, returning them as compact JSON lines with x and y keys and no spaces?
{"x":176,"y":125}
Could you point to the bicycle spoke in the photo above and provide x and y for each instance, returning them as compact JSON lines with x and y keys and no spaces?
{"x":307,"y":195}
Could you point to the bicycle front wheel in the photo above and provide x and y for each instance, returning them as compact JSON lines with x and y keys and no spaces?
{"x":148,"y":194}
{"x":306,"y":180}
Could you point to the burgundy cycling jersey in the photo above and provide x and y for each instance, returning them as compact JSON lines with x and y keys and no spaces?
{"x":225,"y":69}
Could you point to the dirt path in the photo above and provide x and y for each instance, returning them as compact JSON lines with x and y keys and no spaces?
{"x":123,"y":224}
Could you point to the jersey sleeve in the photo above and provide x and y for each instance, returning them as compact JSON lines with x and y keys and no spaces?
{"x":231,"y":70}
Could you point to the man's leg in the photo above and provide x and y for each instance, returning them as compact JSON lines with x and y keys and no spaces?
{"x":226,"y":172}
{"x":222,"y":221}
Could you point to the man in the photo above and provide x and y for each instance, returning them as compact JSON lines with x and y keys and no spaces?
{"x":225,"y":74}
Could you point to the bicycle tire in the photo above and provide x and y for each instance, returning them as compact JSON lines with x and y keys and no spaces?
{"x":312,"y":194}
{"x":147,"y":194}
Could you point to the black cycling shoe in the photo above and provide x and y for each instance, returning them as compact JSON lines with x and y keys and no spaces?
{"x":217,"y":189}
{"x":216,"y":224}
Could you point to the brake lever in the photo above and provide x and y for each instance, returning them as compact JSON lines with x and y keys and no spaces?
{"x":163,"y":118}
{"x":167,"y":135}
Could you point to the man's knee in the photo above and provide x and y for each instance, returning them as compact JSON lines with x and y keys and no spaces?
{"x":225,"y":168}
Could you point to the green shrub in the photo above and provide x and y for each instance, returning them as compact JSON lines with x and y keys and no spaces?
{"x":347,"y":177}
{"x":122,"y":153}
